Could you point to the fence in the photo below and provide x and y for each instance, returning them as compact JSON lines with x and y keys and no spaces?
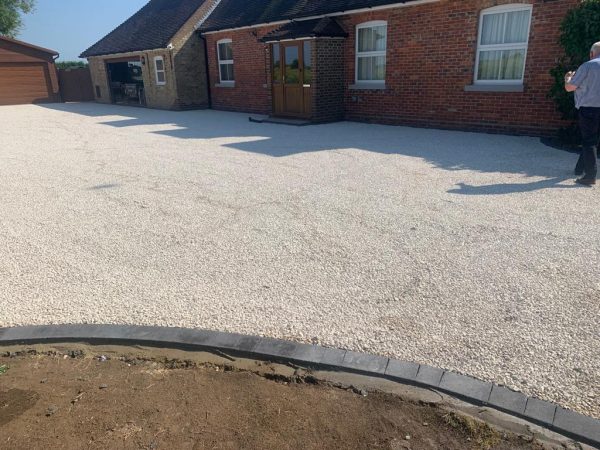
{"x":76,"y":85}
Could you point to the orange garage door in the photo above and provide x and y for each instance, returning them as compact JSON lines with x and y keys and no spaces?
{"x":24,"y":83}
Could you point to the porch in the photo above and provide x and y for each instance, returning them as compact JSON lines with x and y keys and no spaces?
{"x":306,"y":70}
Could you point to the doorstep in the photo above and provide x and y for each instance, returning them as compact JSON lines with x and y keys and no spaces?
{"x":280,"y":121}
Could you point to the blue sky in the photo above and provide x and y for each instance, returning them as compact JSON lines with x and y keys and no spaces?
{"x":71,"y":26}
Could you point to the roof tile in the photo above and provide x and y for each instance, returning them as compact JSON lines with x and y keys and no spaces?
{"x":240,"y":13}
{"x":150,"y":28}
{"x":325,"y":27}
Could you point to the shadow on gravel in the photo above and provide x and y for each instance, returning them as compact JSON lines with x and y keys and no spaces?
{"x":100,"y":187}
{"x":508,"y":188}
{"x":448,"y":150}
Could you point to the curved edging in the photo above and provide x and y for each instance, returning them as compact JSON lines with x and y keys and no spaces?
{"x":577,"y":426}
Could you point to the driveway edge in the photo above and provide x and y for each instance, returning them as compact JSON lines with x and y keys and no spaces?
{"x":573,"y":425}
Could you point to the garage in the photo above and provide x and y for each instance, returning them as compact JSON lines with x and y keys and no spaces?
{"x":126,"y":81}
{"x":27,"y":73}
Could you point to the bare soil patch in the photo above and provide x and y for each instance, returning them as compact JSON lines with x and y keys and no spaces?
{"x":75,"y":399}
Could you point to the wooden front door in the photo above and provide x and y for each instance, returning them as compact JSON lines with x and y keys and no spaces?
{"x":292,"y":78}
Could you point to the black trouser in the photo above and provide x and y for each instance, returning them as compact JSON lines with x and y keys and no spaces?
{"x":589,"y":123}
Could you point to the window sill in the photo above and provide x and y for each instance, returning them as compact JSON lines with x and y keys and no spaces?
{"x":226,"y":85}
{"x":368,"y":86}
{"x":495,"y":88}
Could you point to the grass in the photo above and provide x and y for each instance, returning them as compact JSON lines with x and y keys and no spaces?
{"x":3,"y":369}
{"x":480,"y":433}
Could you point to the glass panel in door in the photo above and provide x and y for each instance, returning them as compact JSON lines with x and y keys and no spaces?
{"x":292,"y":65}
{"x":276,"y":64}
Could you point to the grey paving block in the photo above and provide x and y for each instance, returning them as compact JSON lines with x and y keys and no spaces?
{"x":576,"y":424}
{"x":285,"y":349}
{"x":120,"y":333}
{"x":229,"y":341}
{"x":162,"y":336}
{"x":466,"y":386}
{"x":152,"y":334}
{"x":41,"y":333}
{"x":510,"y":401}
{"x":96,"y":331}
{"x":21,"y":333}
{"x":180,"y":336}
{"x":201,"y":337}
{"x":333,"y":357}
{"x":113,"y":332}
{"x":310,"y":355}
{"x":365,"y":362}
{"x":83,"y":332}
{"x":247,"y":344}
{"x":540,"y":411}
{"x":430,"y":376}
{"x":159,"y":335}
{"x":406,"y":371}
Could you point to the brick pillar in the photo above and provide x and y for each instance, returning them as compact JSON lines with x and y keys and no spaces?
{"x":328,"y":80}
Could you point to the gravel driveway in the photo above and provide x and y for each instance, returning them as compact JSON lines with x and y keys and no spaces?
{"x":471,"y":252}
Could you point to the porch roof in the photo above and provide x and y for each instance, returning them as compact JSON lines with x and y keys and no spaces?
{"x":325,"y":27}
{"x":231,"y":14}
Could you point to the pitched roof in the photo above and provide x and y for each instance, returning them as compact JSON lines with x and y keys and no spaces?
{"x":241,"y":13}
{"x":26,"y":44}
{"x":151,"y":27}
{"x":325,"y":27}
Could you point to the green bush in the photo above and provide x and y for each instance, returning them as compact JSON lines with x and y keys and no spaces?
{"x":71,"y":64}
{"x":580,"y":29}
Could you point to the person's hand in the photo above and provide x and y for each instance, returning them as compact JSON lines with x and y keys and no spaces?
{"x":568,"y":76}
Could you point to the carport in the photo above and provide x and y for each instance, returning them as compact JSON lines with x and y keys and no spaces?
{"x":27,"y":73}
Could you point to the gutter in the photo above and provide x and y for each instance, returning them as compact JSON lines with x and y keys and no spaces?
{"x":125,"y":53}
{"x":206,"y":64}
{"x":339,"y":13}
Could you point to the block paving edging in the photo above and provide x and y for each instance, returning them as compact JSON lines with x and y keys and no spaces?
{"x":573,"y":425}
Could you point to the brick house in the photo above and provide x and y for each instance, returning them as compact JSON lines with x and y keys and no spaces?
{"x":154,"y":59}
{"x":463,"y":64}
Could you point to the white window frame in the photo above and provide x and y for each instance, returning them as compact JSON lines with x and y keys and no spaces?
{"x":225,"y":61}
{"x":156,"y":71}
{"x":372,"y":24}
{"x":514,"y":7}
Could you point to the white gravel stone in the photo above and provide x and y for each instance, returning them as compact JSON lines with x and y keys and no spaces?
{"x":470,"y":252}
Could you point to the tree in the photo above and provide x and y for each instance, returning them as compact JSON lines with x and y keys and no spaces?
{"x":10,"y":15}
{"x":71,"y":65}
{"x":579,"y":31}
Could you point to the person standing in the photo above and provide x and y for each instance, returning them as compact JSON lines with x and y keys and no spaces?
{"x":585,"y":82}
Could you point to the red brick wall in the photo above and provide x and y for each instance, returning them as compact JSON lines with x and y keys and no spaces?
{"x":252,"y":90}
{"x":430,"y":59}
{"x":328,"y":80}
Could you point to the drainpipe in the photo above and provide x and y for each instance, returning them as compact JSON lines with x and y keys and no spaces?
{"x":209,"y":89}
